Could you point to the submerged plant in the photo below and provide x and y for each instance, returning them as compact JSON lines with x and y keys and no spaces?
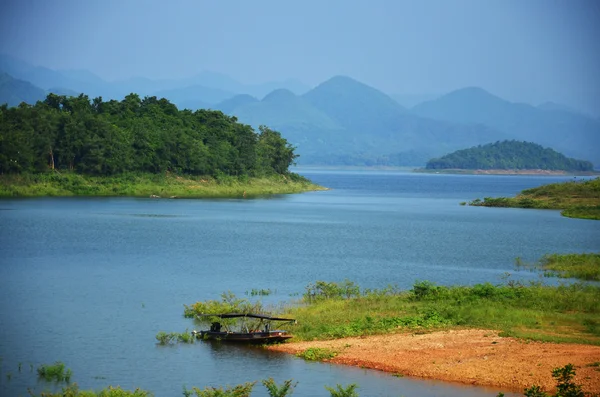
{"x":56,"y":372}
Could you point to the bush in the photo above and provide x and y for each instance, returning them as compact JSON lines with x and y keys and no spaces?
{"x":317,"y":354}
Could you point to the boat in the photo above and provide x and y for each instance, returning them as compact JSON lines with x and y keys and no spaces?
{"x":258,"y":331}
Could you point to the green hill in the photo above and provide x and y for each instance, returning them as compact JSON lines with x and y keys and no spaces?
{"x":509,"y":155}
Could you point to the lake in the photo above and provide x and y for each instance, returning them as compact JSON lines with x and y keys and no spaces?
{"x":91,"y":281}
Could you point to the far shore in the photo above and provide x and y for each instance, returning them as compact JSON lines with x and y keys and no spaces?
{"x":167,"y":185}
{"x":468,"y":356}
{"x":415,"y":169}
{"x":506,"y":172}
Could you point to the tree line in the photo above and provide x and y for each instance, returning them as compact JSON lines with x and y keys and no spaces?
{"x":509,"y":155}
{"x":147,"y":135}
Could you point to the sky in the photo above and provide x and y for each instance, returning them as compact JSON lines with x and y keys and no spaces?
{"x":523,"y":50}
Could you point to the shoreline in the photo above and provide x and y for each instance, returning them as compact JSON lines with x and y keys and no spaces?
{"x":538,"y":172}
{"x":169,"y":186}
{"x":468,"y":356}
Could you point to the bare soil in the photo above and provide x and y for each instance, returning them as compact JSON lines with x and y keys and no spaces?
{"x":477,"y":357}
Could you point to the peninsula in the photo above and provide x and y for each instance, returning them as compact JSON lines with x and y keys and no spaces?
{"x":66,"y":146}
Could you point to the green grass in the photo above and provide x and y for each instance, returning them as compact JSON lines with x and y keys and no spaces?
{"x":150,"y":185}
{"x":581,"y":266}
{"x":577,"y":199}
{"x":538,"y":312}
{"x":317,"y":354}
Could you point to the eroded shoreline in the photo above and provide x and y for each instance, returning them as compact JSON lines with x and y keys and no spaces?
{"x":474,"y":356}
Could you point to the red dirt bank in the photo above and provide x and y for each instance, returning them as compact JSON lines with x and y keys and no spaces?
{"x":478,"y":357}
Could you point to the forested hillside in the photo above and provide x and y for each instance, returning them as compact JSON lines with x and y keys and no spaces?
{"x":147,"y":135}
{"x":509,"y":155}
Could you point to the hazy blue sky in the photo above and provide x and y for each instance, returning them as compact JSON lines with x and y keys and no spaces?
{"x":529,"y":50}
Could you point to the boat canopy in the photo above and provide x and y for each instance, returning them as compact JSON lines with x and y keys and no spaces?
{"x":249,"y":315}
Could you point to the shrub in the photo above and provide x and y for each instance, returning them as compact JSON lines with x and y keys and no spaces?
{"x":340,"y":391}
{"x":317,"y":354}
{"x":284,"y":390}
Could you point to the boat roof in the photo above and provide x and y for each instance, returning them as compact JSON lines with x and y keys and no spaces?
{"x":251,"y":315}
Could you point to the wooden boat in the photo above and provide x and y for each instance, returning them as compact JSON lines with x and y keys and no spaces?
{"x":259,"y":332}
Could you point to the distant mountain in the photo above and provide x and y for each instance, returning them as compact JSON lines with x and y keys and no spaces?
{"x":283,"y":108}
{"x":509,"y":155}
{"x":355,"y":105}
{"x":229,"y":105}
{"x":195,"y":94}
{"x":410,"y":100}
{"x":343,"y":121}
{"x":83,"y":81}
{"x":553,"y":106}
{"x":14,"y":91}
{"x":573,"y":134}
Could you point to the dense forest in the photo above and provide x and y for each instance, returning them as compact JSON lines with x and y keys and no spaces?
{"x":147,"y":135}
{"x":509,"y":155}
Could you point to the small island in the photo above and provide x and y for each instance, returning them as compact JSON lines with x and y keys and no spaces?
{"x":65,"y":146}
{"x":509,"y":157}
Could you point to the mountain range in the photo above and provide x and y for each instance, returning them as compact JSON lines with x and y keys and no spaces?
{"x":341,"y":121}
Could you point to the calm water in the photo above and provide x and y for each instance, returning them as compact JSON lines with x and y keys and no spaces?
{"x":90,"y":281}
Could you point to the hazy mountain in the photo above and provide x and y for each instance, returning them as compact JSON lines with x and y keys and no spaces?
{"x":283,"y":108}
{"x":355,"y":105}
{"x":14,"y":91}
{"x":343,"y":121}
{"x":571,"y":133}
{"x":229,"y":105}
{"x":63,"y":91}
{"x":410,"y":100}
{"x":553,"y":106}
{"x":194,"y":94}
{"x":83,"y":81}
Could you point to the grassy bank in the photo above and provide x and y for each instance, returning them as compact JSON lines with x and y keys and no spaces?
{"x":150,"y":185}
{"x":566,"y":313}
{"x":581,"y":266}
{"x":538,"y":312}
{"x":577,"y":199}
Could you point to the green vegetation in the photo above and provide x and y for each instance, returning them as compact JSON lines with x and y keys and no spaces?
{"x":564,"y":376}
{"x":54,"y":372}
{"x":202,"y":312}
{"x":150,"y":185}
{"x":242,"y":390}
{"x":565,"y":387}
{"x":565,"y":313}
{"x":581,"y":266}
{"x":508,"y":155}
{"x":74,"y":391}
{"x":286,"y":388}
{"x":578,"y":199}
{"x":341,"y":391}
{"x":259,"y":292}
{"x":132,"y":140}
{"x":165,"y":338}
{"x":317,"y":354}
{"x":147,"y":135}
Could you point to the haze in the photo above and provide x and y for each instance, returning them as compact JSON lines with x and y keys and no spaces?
{"x":532,"y":51}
